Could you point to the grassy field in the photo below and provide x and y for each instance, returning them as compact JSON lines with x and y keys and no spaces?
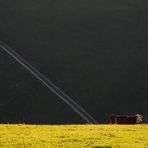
{"x":73,"y":136}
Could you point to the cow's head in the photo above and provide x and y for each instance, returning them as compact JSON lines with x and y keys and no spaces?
{"x":139,"y":118}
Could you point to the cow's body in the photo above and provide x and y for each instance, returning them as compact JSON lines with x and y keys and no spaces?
{"x":126,"y":119}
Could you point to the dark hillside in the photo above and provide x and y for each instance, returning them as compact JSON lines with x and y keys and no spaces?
{"x":95,"y":50}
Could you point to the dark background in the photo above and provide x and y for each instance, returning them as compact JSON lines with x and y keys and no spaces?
{"x":94,"y":50}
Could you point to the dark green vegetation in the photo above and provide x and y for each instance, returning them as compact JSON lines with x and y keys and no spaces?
{"x":95,"y":50}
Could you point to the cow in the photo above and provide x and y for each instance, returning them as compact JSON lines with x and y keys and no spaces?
{"x":126,"y":119}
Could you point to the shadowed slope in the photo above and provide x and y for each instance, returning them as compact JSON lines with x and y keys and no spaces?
{"x":95,"y":50}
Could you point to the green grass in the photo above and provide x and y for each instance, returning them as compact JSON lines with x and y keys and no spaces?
{"x":73,"y":136}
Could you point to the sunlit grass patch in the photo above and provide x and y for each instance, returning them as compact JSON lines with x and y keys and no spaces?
{"x":74,"y":136}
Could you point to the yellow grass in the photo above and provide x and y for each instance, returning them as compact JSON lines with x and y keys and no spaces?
{"x":73,"y":136}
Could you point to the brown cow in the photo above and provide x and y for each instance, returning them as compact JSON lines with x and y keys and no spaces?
{"x":126,"y":119}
